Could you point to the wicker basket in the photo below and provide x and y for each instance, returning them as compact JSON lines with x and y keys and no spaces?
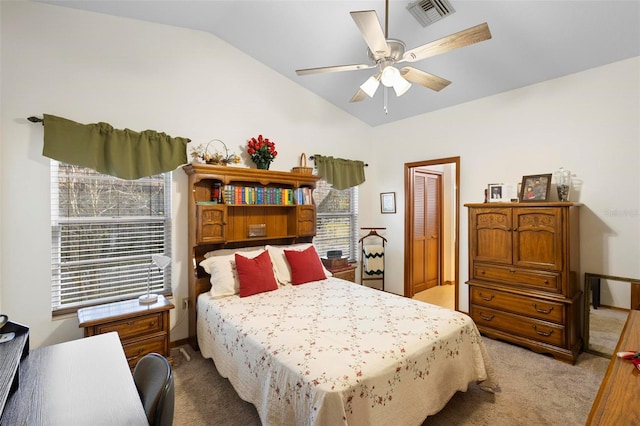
{"x":303,"y":169}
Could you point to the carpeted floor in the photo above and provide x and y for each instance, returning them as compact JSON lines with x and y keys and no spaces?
{"x":534,"y":389}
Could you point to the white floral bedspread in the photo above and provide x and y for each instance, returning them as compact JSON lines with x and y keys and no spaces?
{"x":332,"y":352}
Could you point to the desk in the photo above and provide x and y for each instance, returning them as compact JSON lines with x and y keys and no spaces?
{"x":617,"y":399}
{"x":81,"y":382}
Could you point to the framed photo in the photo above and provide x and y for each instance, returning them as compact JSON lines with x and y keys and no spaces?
{"x":496,"y":193}
{"x":535,"y":188}
{"x":387,"y":202}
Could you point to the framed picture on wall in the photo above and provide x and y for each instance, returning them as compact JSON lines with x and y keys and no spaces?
{"x":535,"y":188}
{"x":388,"y":202}
{"x":496,"y":193}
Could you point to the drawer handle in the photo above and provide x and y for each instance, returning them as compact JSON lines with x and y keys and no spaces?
{"x":487,"y":318}
{"x":485,"y":298}
{"x":152,"y":324}
{"x":130,"y":323}
{"x":542,"y":333}
{"x":513,"y":271}
{"x":482,"y":272}
{"x":542,"y":311}
{"x":546,"y":281}
{"x":136,"y":355}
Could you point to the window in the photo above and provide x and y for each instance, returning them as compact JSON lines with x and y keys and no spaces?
{"x":103,"y":233}
{"x":337,"y":226}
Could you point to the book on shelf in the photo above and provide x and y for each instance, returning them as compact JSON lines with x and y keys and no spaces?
{"x":303,"y":196}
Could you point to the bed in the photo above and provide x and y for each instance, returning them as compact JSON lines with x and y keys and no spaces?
{"x":331,"y":352}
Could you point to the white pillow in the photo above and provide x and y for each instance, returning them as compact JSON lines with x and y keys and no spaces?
{"x":224,"y":276}
{"x":280,"y":264}
{"x":225,"y":252}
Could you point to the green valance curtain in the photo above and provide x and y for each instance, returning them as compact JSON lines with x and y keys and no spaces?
{"x":122,"y":153}
{"x":340,"y":173}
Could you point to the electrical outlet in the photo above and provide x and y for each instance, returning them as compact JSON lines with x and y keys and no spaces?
{"x":185,"y":303}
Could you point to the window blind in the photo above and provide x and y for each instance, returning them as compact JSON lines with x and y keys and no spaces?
{"x":337,"y":220}
{"x":104,"y":231}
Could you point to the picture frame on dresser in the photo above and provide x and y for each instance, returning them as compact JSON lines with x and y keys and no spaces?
{"x":496,"y":192}
{"x":535,"y":188}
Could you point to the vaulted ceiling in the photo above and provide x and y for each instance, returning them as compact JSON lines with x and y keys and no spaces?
{"x":532,"y":41}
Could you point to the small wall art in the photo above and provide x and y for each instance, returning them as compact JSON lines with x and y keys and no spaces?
{"x":388,"y":202}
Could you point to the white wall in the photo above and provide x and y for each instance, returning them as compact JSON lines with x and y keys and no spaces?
{"x":587,"y":122}
{"x":90,"y":67}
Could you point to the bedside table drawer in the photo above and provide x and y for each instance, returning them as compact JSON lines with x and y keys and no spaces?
{"x":137,"y":349}
{"x":134,"y":326}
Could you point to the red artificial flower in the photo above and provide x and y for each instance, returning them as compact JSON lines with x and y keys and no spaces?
{"x":261,"y":150}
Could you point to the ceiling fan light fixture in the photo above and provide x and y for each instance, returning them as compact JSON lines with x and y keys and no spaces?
{"x":401,"y":86}
{"x":371,"y":85}
{"x":390,"y":75}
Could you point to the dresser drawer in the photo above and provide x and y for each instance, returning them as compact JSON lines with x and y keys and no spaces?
{"x":528,"y":306}
{"x":541,"y":331}
{"x":132,"y":327}
{"x":541,"y":280}
{"x":139,"y":348}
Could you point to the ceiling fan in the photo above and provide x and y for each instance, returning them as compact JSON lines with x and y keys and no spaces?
{"x":385,"y":53}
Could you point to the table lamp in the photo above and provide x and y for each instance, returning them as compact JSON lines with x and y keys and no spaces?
{"x":161,"y":261}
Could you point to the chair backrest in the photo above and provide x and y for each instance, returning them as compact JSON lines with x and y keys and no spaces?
{"x":154,"y":380}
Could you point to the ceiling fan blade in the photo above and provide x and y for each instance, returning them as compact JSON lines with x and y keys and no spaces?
{"x":460,"y":39}
{"x":369,"y":26}
{"x":359,"y":96}
{"x":425,"y":79}
{"x":336,"y":68}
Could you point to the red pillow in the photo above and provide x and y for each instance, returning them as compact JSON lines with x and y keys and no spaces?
{"x":305,"y":266}
{"x":255,"y":275}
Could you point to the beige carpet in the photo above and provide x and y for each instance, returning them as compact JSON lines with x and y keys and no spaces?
{"x":534,"y":390}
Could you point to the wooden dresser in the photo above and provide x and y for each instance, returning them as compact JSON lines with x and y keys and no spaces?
{"x":522,"y":287}
{"x":142,"y":328}
{"x":617,"y":399}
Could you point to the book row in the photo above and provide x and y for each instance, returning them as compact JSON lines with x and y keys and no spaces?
{"x":232,"y":194}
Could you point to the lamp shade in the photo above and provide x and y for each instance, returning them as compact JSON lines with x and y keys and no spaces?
{"x":391,"y":77}
{"x":160,"y":260}
{"x":371,"y":85}
{"x":400,"y":86}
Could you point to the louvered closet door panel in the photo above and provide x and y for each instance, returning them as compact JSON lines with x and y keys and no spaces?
{"x":432,"y":227}
{"x":418,"y":275}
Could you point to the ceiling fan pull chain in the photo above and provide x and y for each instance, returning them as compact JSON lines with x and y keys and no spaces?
{"x":386,"y":98}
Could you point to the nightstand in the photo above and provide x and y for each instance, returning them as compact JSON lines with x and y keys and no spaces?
{"x":142,"y":328}
{"x":347,"y":272}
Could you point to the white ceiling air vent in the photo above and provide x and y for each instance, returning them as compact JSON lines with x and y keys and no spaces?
{"x":429,"y":11}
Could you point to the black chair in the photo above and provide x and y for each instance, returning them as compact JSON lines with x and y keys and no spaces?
{"x":154,"y":380}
